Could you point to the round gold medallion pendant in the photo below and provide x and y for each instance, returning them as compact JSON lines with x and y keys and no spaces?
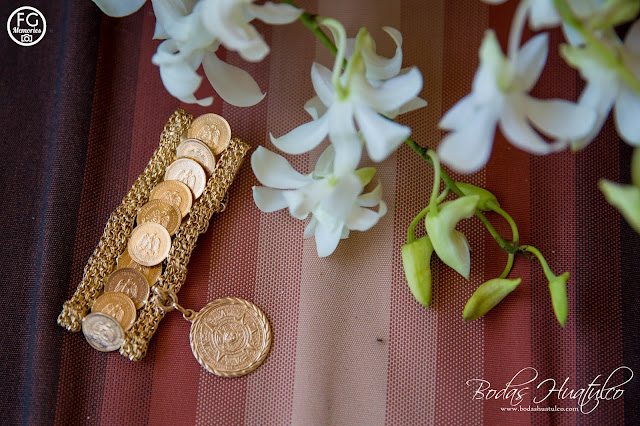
{"x":230,"y":337}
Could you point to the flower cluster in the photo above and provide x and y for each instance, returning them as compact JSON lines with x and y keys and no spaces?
{"x":501,"y":85}
{"x":353,"y":106}
{"x":194,"y":31}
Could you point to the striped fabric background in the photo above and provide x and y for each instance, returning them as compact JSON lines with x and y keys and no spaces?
{"x":82,"y":113}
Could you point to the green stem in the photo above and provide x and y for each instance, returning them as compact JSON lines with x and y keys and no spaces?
{"x":515,"y":235}
{"x":545,"y":266}
{"x":433,"y":204}
{"x":508,"y":266}
{"x":411,"y":236}
{"x":603,"y":50}
{"x":310,"y":22}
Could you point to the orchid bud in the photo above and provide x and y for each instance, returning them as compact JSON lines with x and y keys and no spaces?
{"x":488,"y":201}
{"x":449,"y":244}
{"x":626,"y":198}
{"x":416,"y":258}
{"x":487,"y":296}
{"x":558,"y":289}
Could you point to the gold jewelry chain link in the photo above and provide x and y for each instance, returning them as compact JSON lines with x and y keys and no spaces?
{"x":121,"y":223}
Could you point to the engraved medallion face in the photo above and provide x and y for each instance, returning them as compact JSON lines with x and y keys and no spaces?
{"x":102,"y":332}
{"x":162,"y":213}
{"x":198,"y":151}
{"x":230,"y":337}
{"x":149,"y":244}
{"x":118,"y":306}
{"x":151,"y":273}
{"x":188,"y":172}
{"x":129,"y":282}
{"x":213,"y":130}
{"x":173,"y":192}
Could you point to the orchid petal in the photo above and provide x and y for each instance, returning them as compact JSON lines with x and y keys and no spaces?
{"x":224,"y":20}
{"x":379,"y":67}
{"x":531,"y":60}
{"x":382,"y":136}
{"x":393,"y":93}
{"x":362,"y":219}
{"x":543,"y":15}
{"x":269,"y":199}
{"x":627,"y":115}
{"x":324,"y":165}
{"x":412,"y":105}
{"x":371,"y":199}
{"x":327,"y":236}
{"x":119,"y":8}
{"x":274,"y":13}
{"x":255,"y":50}
{"x":304,"y":137}
{"x":344,"y":138}
{"x":181,"y":81}
{"x":315,"y":107}
{"x":341,"y":200}
{"x":559,"y":118}
{"x":321,"y":79}
{"x":233,"y":84}
{"x":459,"y":114}
{"x":310,"y":229}
{"x":519,"y":132}
{"x":469,"y":148}
{"x":302,"y":201}
{"x":275,"y":171}
{"x":598,"y":96}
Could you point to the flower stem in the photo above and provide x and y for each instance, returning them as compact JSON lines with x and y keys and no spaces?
{"x":545,"y":266}
{"x":310,"y":22}
{"x":411,"y":236}
{"x":433,"y":204}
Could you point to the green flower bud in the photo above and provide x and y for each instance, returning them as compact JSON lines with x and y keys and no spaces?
{"x":558,"y":289}
{"x":626,"y":198}
{"x":451,"y":245}
{"x":487,"y":296}
{"x":488,"y":201}
{"x":416,"y":258}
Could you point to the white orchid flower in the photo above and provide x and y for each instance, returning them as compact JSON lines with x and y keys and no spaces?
{"x":336,"y":203}
{"x":346,"y":98}
{"x":195,"y":30}
{"x":606,"y":87}
{"x":500,"y":96}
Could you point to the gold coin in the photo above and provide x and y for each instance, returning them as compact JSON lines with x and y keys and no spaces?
{"x":188,"y":172}
{"x":174,"y":192}
{"x":131,"y":283}
{"x":151,"y":273}
{"x":102,"y":332}
{"x":117,"y":305}
{"x":198,"y":151}
{"x":230,"y":337}
{"x":161,"y":212}
{"x":149,"y":244}
{"x":213,"y":130}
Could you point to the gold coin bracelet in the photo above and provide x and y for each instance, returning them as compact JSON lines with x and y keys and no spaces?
{"x":133,"y":276}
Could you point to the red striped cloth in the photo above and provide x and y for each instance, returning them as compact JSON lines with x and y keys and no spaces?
{"x":351,"y":344}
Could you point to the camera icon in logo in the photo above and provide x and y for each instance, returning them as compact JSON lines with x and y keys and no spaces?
{"x":26,"y":38}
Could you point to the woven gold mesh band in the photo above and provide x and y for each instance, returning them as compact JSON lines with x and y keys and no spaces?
{"x":121,"y":222}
